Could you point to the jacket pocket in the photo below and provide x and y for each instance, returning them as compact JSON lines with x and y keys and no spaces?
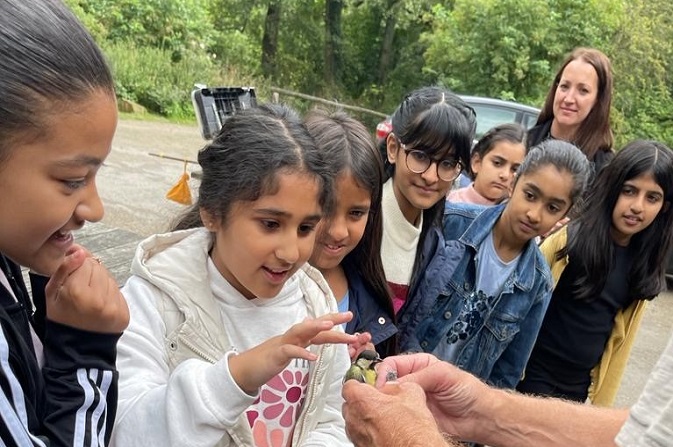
{"x":503,"y":326}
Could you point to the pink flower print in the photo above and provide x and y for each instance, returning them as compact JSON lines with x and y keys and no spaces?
{"x":283,"y":394}
{"x":264,"y":438}
{"x":252,"y":414}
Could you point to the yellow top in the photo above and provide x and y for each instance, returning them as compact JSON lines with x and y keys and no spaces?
{"x":607,"y":375}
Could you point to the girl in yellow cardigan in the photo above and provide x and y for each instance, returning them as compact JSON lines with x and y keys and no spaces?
{"x":605,"y":265}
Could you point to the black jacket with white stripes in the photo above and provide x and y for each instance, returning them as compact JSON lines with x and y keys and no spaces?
{"x":72,"y":399}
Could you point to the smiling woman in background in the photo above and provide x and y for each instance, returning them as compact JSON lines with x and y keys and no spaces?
{"x":577,"y":108}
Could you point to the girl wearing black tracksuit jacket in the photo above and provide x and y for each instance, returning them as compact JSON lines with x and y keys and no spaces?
{"x":58,"y":384}
{"x":66,"y":399}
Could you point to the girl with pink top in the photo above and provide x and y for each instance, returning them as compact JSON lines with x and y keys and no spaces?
{"x":493,"y":164}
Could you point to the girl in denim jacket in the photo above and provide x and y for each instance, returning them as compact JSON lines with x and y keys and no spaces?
{"x":348,"y":245}
{"x":485,"y":290}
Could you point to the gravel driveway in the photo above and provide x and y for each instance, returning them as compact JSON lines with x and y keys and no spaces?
{"x":133,"y":184}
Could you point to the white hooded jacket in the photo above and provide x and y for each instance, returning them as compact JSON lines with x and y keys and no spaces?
{"x":175,"y":388}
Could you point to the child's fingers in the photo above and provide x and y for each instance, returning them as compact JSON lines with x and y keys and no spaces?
{"x":337,"y":318}
{"x":296,"y":352}
{"x":319,"y":331}
{"x":74,"y":259}
{"x":333,"y":337}
{"x":364,"y":338}
{"x":87,"y":298}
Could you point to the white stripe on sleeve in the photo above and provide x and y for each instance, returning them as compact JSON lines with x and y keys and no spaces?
{"x":80,"y":420}
{"x":15,"y":417}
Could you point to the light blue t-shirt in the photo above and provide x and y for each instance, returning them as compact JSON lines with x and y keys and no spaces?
{"x":492,"y":273}
{"x":343,"y":306}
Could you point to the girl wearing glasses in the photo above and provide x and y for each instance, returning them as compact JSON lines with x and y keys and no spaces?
{"x":432,"y":132}
{"x":483,"y":295}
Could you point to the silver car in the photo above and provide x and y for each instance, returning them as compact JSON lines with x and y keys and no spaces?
{"x":490,"y":112}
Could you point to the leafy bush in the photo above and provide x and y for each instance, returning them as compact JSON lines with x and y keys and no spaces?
{"x":150,"y":77}
{"x":179,"y":26}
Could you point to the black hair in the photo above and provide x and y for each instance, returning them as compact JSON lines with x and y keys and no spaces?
{"x":438,"y":122}
{"x":563,"y":156}
{"x":48,"y":61}
{"x":510,"y":132}
{"x":349,"y":149}
{"x":589,"y":236}
{"x":244,"y":160}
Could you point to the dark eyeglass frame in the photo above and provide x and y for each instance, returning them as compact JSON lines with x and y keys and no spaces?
{"x":456,"y":170}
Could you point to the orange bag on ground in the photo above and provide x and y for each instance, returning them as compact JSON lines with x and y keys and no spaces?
{"x":180,"y":191}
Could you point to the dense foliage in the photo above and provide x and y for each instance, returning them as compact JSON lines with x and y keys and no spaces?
{"x":371,"y":52}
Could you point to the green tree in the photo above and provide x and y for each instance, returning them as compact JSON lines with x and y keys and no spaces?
{"x":642,"y":58}
{"x":510,"y":48}
{"x":173,"y":25}
{"x":270,"y":39}
{"x":383,"y":55}
{"x":333,"y":43}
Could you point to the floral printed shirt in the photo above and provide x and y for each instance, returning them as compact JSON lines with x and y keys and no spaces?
{"x":273,"y":415}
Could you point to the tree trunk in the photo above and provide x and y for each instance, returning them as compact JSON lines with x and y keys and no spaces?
{"x":333,"y":41}
{"x":386,"y":55}
{"x":270,"y":39}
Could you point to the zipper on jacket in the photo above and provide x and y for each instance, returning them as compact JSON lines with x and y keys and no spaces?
{"x":199,"y":352}
{"x":312,"y":392}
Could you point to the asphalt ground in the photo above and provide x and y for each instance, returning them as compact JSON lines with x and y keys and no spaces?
{"x":133,"y":185}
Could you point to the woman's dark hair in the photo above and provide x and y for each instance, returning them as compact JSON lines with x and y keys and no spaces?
{"x":48,"y":62}
{"x":510,"y":132}
{"x":438,"y":122}
{"x":244,"y":160}
{"x":565,"y":157}
{"x":349,"y":149}
{"x":594,"y":134}
{"x":589,"y":236}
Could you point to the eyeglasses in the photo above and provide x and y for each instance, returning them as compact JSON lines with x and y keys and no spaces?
{"x":418,"y":162}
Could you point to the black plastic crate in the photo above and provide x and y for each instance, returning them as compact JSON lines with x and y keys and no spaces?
{"x":214,"y":105}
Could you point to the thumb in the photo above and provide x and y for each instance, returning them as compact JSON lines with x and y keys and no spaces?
{"x":74,"y":258}
{"x":353,"y":390}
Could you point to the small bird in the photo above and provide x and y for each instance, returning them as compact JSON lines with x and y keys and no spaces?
{"x":363,"y":369}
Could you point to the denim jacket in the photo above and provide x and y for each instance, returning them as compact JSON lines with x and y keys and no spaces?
{"x":498,"y":350}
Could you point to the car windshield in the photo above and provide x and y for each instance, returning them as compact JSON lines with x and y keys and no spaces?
{"x":489,"y":117}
